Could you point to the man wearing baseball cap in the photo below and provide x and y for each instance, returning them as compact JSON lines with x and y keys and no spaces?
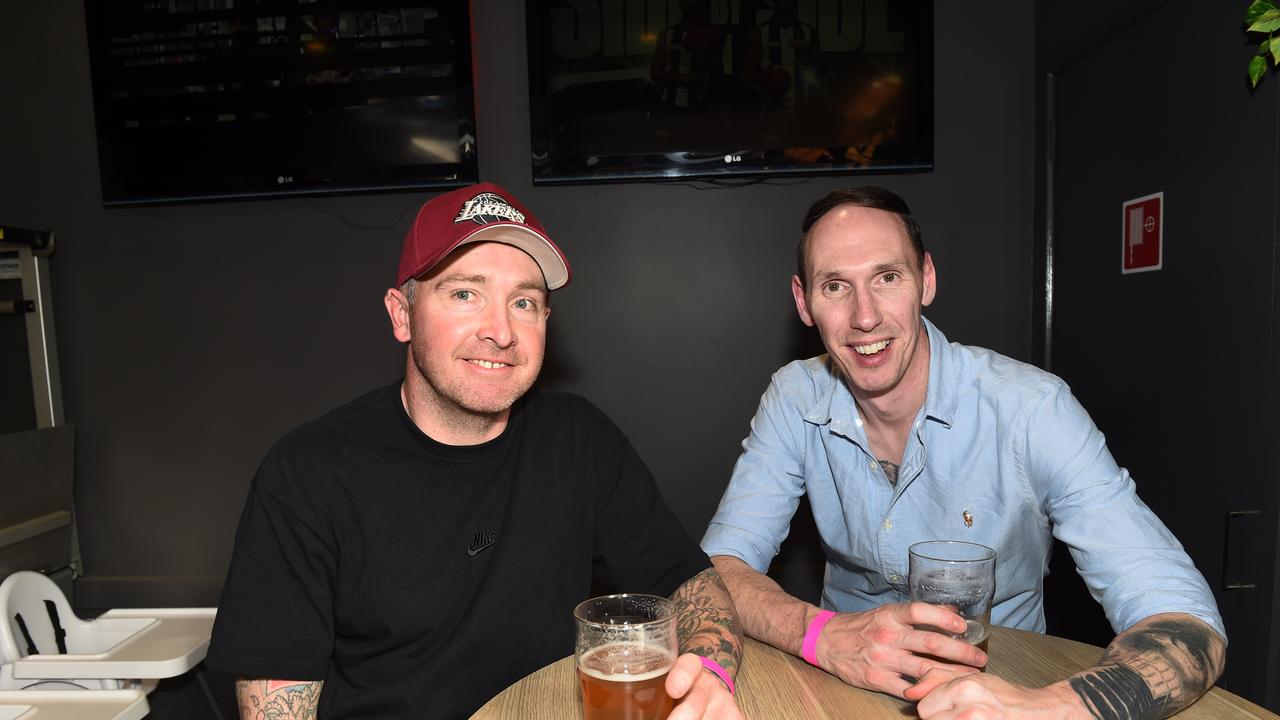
{"x":414,"y":552}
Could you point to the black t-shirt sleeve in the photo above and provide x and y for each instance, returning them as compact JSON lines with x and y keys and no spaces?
{"x":275,"y":618}
{"x":640,"y":545}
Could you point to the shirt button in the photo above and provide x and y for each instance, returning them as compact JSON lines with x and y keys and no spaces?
{"x":888,"y":525}
{"x":873,"y":464}
{"x":895,"y":578}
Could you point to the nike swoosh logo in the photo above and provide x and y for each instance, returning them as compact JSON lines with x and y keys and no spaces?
{"x":480,"y":541}
{"x":474,"y":551}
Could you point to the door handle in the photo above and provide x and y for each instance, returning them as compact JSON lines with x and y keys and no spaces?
{"x":1242,"y":550}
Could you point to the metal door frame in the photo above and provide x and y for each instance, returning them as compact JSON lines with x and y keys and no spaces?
{"x":37,"y":307}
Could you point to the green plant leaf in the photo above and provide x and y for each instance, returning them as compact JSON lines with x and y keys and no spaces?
{"x":1274,"y":44}
{"x":1257,"y":68}
{"x":1268,"y":21}
{"x":1257,"y":8}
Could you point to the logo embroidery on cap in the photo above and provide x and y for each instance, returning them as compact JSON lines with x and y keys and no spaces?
{"x":481,"y":541}
{"x":488,"y":208}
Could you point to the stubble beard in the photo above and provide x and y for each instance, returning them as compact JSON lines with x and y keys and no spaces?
{"x":461,"y":407}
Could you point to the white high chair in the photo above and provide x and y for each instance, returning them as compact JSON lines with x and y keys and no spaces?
{"x":44,"y":645}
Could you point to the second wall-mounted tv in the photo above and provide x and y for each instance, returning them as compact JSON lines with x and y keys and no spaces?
{"x":665,"y":89}
{"x":226,"y":99}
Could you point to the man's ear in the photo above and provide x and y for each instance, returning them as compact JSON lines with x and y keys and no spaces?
{"x":930,"y":282}
{"x":398,"y":311}
{"x":802,"y":302}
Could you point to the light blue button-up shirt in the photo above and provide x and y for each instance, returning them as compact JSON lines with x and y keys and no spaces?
{"x":1000,"y":454}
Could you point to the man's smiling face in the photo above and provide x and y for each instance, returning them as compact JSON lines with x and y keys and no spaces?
{"x":477,"y":330}
{"x":864,"y":289}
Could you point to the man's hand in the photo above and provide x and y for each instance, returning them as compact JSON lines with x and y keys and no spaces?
{"x":699,"y":693}
{"x":882,"y":650}
{"x":1157,"y":667}
{"x":878,"y":649}
{"x":987,"y":697}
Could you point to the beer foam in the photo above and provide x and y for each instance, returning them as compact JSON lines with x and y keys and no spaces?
{"x":626,"y":662}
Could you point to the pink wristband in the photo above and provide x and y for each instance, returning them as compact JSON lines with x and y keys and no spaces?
{"x":809,"y":650}
{"x":720,"y":672}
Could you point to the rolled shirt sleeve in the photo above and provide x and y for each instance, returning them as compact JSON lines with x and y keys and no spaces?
{"x":1131,"y":563}
{"x":755,"y":512}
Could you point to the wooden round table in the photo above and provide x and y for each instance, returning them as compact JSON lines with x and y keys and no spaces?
{"x":776,"y":686}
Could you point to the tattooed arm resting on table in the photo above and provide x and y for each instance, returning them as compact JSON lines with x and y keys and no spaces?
{"x":261,"y":699}
{"x":1152,"y":670}
{"x":708,"y":627}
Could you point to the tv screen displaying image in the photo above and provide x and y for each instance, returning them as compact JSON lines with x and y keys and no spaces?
{"x":664,"y":89}
{"x":228,"y":99}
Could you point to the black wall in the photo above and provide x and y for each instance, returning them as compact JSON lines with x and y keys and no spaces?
{"x":1123,"y":130}
{"x":191,"y":337}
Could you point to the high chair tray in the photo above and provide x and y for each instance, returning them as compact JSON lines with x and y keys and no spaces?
{"x":156,"y":643}
{"x":72,"y":705}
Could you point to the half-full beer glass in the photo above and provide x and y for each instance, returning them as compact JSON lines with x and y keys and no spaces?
{"x":625,"y":646}
{"x":960,"y":575}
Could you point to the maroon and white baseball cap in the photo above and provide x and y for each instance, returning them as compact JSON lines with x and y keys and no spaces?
{"x":478,"y":213}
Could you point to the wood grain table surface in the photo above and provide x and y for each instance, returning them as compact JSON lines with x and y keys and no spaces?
{"x":774,"y":685}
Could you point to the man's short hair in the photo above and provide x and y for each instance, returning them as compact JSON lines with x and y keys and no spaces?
{"x":867,"y":196}
{"x":409,"y":289}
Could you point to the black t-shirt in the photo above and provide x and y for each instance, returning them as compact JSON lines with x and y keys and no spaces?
{"x":419,"y":579}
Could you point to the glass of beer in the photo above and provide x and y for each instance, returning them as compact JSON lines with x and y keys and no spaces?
{"x":626,"y":644}
{"x":959,"y":575}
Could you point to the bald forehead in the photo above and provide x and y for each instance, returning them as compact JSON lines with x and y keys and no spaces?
{"x":855,"y":223}
{"x":856,"y":218}
{"x":849,"y":223}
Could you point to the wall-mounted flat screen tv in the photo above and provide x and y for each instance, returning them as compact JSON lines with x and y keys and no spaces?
{"x":227,"y":99}
{"x":665,"y":89}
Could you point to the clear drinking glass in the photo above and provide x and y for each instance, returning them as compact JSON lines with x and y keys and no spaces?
{"x":626,"y":644}
{"x":960,"y":575}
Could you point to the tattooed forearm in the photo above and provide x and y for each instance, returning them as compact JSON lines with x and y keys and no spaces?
{"x":261,"y":699}
{"x":1116,"y":692}
{"x":1152,"y":670}
{"x":707,"y":621}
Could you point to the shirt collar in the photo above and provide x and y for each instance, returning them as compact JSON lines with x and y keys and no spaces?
{"x":834,"y":404}
{"x":837,"y":407}
{"x":943,"y":395}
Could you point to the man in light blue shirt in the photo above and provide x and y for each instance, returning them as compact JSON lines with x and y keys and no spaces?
{"x":898,"y":436}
